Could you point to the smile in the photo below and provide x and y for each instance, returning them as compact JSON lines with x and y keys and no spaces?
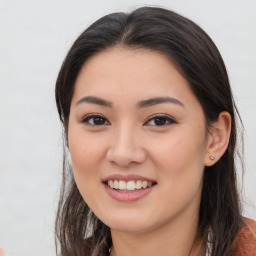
{"x":128,"y":188}
{"x":130,"y":185}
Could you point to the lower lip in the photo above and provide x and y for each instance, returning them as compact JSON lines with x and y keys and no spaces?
{"x":128,"y":196}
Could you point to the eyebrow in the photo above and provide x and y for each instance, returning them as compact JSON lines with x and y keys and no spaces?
{"x":158,"y":100}
{"x":94,"y":100}
{"x":141,"y":104}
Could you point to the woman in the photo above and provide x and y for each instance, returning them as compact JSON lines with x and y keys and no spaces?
{"x":150,"y":126}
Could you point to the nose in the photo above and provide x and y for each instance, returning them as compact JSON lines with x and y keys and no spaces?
{"x":125,"y":148}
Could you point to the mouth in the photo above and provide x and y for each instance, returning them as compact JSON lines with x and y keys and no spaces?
{"x":128,"y":188}
{"x":130,"y":185}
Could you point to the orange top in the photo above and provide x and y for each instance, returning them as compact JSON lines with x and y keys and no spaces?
{"x":245,"y":242}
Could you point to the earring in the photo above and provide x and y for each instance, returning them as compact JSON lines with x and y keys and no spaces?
{"x":212,"y":158}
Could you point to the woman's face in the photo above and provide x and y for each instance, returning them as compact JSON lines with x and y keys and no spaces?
{"x":137,"y":139}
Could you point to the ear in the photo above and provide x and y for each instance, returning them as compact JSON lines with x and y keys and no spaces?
{"x":218,"y":138}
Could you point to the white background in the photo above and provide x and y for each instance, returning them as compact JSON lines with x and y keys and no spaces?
{"x":34,"y":38}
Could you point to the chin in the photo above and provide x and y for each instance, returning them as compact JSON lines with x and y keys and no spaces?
{"x":127,"y":224}
{"x":130,"y":228}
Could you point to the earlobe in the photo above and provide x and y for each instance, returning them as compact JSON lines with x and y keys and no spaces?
{"x":218,"y":138}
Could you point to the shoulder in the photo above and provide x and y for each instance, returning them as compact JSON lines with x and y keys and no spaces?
{"x":245,"y":241}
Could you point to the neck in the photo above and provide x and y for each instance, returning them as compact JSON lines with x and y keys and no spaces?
{"x":178,"y":238}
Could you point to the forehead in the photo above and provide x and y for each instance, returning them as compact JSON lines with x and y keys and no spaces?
{"x":124,"y":72}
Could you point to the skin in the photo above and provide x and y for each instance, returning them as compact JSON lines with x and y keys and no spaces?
{"x":129,"y":141}
{"x":2,"y":253}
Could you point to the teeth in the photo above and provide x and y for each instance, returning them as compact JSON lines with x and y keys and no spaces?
{"x":111,"y":183}
{"x":144,"y":184}
{"x":130,"y":185}
{"x":138,"y":184}
{"x":122,"y":185}
{"x":116,"y":184}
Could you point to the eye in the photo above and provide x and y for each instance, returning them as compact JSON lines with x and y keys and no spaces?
{"x":160,"y":120}
{"x":96,"y":120}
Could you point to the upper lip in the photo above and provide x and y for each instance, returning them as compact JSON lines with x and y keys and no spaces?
{"x":126,"y":178}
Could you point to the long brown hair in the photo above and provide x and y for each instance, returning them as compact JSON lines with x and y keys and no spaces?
{"x":78,"y":231}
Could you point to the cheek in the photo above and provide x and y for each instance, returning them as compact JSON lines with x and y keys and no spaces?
{"x":85,"y":150}
{"x":180,"y":176}
{"x":86,"y":156}
{"x":181,"y":160}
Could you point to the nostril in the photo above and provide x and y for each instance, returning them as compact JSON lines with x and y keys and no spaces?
{"x":125,"y":156}
{"x":125,"y":149}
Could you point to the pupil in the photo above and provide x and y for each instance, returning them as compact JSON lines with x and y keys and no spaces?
{"x":99,"y":120}
{"x":160,"y":121}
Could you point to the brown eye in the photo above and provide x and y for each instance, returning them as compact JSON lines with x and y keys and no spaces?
{"x":160,"y":121}
{"x":96,"y":120}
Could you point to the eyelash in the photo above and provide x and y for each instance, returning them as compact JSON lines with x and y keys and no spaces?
{"x":92,"y":117}
{"x":160,"y":118}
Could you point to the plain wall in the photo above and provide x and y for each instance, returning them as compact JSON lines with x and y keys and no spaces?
{"x":34,"y":38}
